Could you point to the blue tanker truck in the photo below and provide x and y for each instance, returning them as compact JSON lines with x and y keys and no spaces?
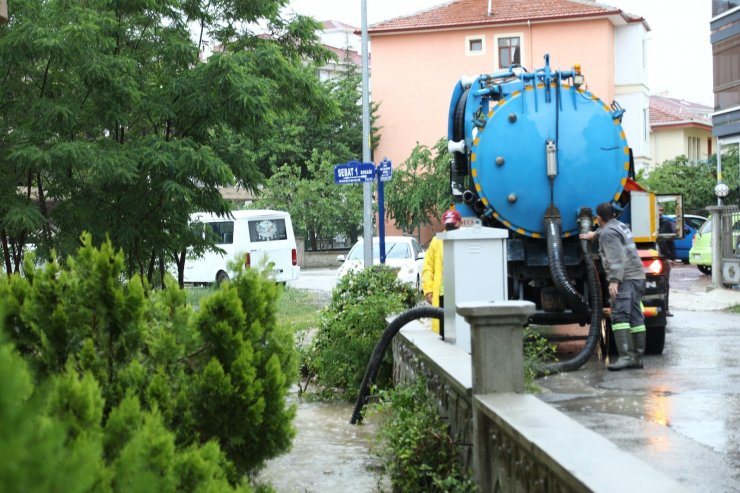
{"x":535,"y":152}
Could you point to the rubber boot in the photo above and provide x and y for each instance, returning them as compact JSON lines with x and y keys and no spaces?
{"x":639,"y":338}
{"x":625,"y":349}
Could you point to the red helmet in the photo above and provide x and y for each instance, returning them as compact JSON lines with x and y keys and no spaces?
{"x":451,"y":217}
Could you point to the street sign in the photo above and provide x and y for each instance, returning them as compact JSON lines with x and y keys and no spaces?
{"x":354,"y":172}
{"x":384,"y":170}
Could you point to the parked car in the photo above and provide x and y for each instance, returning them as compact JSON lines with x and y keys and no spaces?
{"x":691,"y":225}
{"x":700,"y":254}
{"x":259,"y":237}
{"x":403,"y":252}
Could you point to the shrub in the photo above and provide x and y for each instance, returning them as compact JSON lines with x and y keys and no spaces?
{"x":211,"y":384}
{"x":51,"y":439}
{"x":352,"y":324}
{"x":414,"y":444}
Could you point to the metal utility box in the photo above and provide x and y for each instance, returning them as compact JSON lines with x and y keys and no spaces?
{"x":474,"y":269}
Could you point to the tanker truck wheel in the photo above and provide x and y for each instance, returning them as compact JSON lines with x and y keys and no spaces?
{"x":655,"y":340}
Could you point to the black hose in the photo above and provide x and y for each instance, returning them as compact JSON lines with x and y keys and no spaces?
{"x":557,"y":268}
{"x":594,"y":289}
{"x":379,"y":352}
{"x":458,"y":134}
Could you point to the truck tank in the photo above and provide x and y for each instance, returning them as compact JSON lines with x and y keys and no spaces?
{"x":535,"y":152}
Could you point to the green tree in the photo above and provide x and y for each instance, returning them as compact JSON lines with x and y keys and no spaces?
{"x":53,"y":439}
{"x":420,"y":189}
{"x":110,"y":123}
{"x":303,"y":159}
{"x":694,"y":180}
{"x":318,"y":207}
{"x":219,"y":376}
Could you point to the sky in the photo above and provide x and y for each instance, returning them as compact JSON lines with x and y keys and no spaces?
{"x":679,"y":56}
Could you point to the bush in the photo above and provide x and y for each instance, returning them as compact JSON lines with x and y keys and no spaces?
{"x":414,"y":444}
{"x":350,"y":327}
{"x":52,"y":439}
{"x":207,"y":389}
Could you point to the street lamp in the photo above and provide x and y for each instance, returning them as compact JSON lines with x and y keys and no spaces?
{"x":721,"y":190}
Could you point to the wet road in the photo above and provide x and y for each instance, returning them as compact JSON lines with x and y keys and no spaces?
{"x":680,"y":414}
{"x":328,"y":455}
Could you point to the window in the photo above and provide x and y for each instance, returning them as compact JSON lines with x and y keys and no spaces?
{"x":475,"y":45}
{"x":645,"y":124}
{"x":267,"y":230}
{"x":644,"y":53}
{"x":509,"y":51}
{"x":693,"y":151}
{"x":223,"y":232}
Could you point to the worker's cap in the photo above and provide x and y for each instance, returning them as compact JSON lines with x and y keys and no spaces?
{"x":451,"y":217}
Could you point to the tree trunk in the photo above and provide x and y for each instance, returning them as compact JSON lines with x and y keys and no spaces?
{"x":161,"y":270}
{"x":6,"y":251}
{"x":150,"y":267}
{"x":180,"y":261}
{"x":312,"y":240}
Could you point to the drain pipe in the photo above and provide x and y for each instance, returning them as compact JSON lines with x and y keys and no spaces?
{"x":380,"y":348}
{"x":585,"y":220}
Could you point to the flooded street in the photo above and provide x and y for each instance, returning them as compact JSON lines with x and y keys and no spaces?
{"x":329,"y":455}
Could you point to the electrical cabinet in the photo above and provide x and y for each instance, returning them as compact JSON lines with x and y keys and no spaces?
{"x":474,"y":269}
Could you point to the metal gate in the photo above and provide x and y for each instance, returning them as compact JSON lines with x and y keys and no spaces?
{"x":729,"y":244}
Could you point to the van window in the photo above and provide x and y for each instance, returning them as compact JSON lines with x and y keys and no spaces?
{"x":267,"y":230}
{"x":223,"y":232}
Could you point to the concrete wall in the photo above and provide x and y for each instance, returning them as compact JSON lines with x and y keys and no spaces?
{"x":514,"y":441}
{"x":317,"y":260}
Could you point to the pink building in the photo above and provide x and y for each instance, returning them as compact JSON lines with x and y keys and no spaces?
{"x":418,"y":59}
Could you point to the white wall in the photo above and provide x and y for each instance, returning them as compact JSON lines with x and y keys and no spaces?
{"x":630,"y":55}
{"x":636,"y":124}
{"x":341,"y":38}
{"x":631,"y":90}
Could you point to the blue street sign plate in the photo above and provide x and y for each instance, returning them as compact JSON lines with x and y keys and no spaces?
{"x":384,"y":169}
{"x":353,"y":172}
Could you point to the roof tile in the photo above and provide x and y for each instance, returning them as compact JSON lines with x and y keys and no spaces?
{"x":460,"y":13}
{"x":666,"y":111}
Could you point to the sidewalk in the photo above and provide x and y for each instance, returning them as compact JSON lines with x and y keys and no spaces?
{"x":695,"y":300}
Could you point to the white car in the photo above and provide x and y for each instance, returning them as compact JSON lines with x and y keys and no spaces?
{"x":403,"y":252}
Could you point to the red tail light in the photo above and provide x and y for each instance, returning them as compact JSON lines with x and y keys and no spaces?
{"x":247,"y":260}
{"x":653,"y":266}
{"x":294,"y":256}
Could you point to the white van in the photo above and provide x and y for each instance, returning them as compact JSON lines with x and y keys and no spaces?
{"x":258,"y":237}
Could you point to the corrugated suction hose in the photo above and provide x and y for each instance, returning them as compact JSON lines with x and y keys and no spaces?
{"x":380,"y":348}
{"x":574,"y":299}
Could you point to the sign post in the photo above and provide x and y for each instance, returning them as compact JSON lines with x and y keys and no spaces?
{"x":365,"y":173}
{"x":384,"y":174}
{"x":354,"y":172}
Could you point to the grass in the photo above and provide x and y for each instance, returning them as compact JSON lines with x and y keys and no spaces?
{"x":297,"y":308}
{"x":734,"y":309}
